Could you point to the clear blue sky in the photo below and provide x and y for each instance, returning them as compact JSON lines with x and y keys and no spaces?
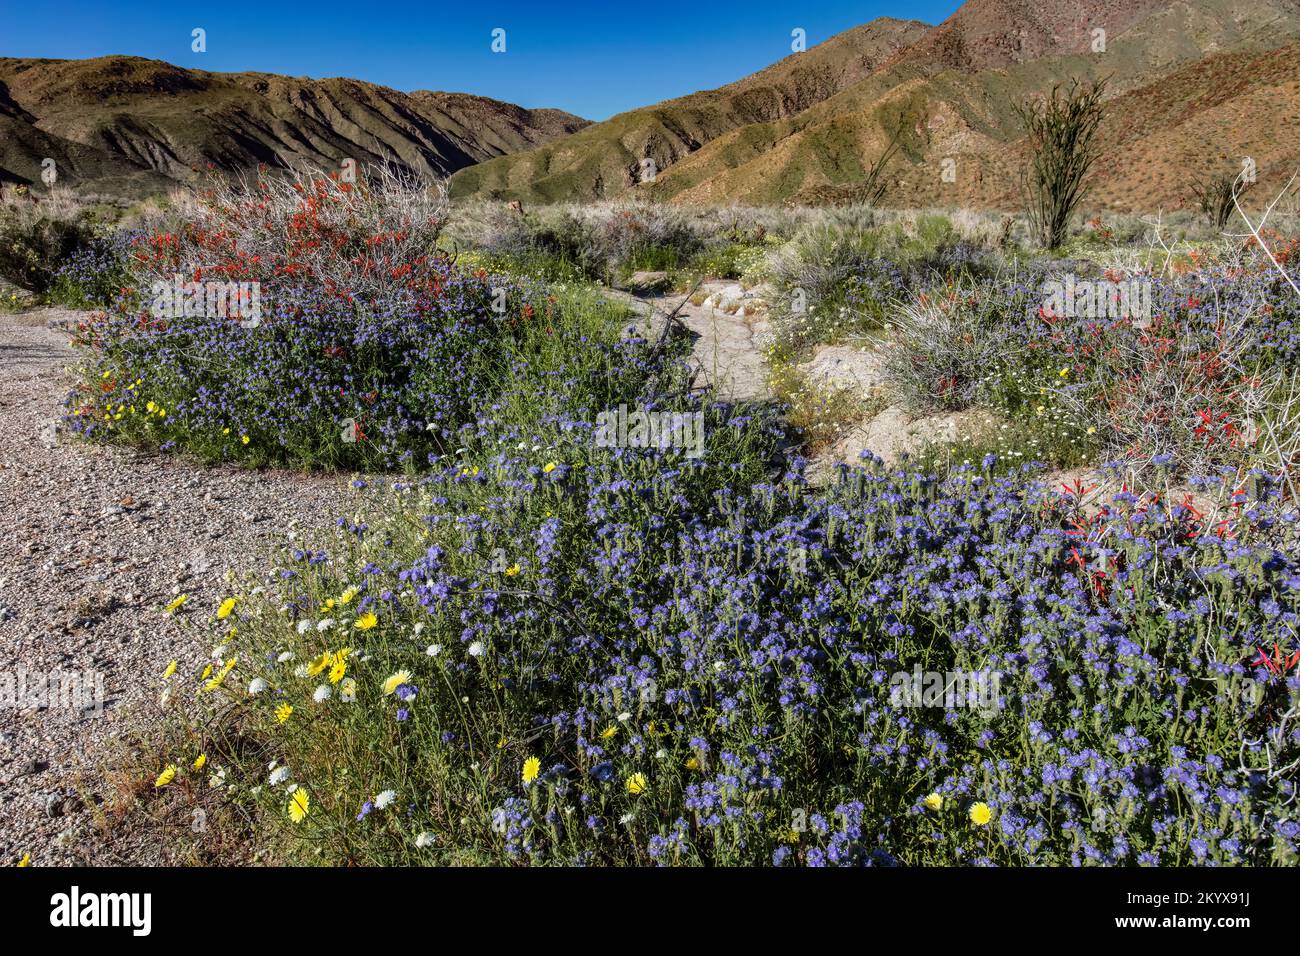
{"x":592,"y":58}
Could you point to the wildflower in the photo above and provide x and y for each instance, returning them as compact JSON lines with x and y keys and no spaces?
{"x":980,"y":814}
{"x":366,"y":621}
{"x":256,"y":686}
{"x":532,"y":767}
{"x":608,"y":732}
{"x":199,"y":761}
{"x":170,"y":670}
{"x":549,"y":467}
{"x":347,"y":596}
{"x":934,"y":802}
{"x":243,"y":439}
{"x":282,"y":713}
{"x":227,"y":606}
{"x":299,"y":804}
{"x":167,"y":776}
{"x":395,"y":681}
{"x":278,"y":776}
{"x":176,"y":603}
{"x":424,"y":839}
{"x":512,"y":570}
{"x":692,"y":763}
{"x":636,"y":783}
{"x":385,"y":799}
{"x":347,"y":690}
{"x":319,"y":663}
{"x":26,"y":860}
{"x":321,"y":694}
{"x":476,"y":649}
{"x":337,"y":671}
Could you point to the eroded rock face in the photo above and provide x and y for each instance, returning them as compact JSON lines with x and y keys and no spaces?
{"x":732,"y":298}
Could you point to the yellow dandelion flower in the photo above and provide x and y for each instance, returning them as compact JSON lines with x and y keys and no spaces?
{"x":167,"y":776}
{"x":693,"y":763}
{"x":637,"y":783}
{"x":26,"y":860}
{"x":199,"y":761}
{"x":347,"y":596}
{"x":299,"y":804}
{"x":327,"y":606}
{"x":176,"y":603}
{"x":169,"y":670}
{"x":532,"y":767}
{"x":337,"y":671}
{"x":550,"y":467}
{"x":934,"y":801}
{"x":366,"y":621}
{"x":396,"y":680}
{"x":980,"y":814}
{"x":207,"y":672}
{"x":225,"y":431}
{"x":282,"y":713}
{"x":318,"y":664}
{"x":227,"y":607}
{"x":243,"y":439}
{"x":512,"y":570}
{"x":608,"y":732}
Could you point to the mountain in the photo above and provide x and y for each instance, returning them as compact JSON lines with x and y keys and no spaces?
{"x":127,"y":124}
{"x":1179,"y":78}
{"x":606,"y":159}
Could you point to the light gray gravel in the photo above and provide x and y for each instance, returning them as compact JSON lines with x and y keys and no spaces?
{"x":96,"y":541}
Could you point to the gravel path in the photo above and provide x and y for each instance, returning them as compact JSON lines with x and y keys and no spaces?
{"x":97,"y":540}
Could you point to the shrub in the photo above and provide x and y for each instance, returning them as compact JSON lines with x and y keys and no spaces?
{"x":1061,"y":130}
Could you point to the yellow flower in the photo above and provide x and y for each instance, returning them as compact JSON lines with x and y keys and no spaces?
{"x":366,"y":621}
{"x":337,"y":671}
{"x":512,"y":570}
{"x":282,"y":712}
{"x":1092,"y":430}
{"x":26,"y":860}
{"x":318,"y":664}
{"x":225,"y":431}
{"x":636,"y":783}
{"x":170,"y":670}
{"x":396,"y":680}
{"x":532,"y":767}
{"x":227,"y":606}
{"x":1065,"y":370}
{"x":608,"y":732}
{"x":167,"y":776}
{"x":206,"y":671}
{"x":176,"y":603}
{"x":693,"y":763}
{"x":199,"y":761}
{"x":347,"y":596}
{"x":299,"y":804}
{"x":934,"y":801}
{"x":980,"y":814}
{"x":327,"y":606}
{"x":243,"y":439}
{"x":550,"y":467}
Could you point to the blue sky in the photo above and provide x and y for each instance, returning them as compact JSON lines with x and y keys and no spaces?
{"x":592,"y":58}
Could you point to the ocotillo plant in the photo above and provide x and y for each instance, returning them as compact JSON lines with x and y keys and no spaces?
{"x":1062,"y":129}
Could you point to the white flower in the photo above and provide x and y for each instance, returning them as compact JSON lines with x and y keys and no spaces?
{"x":385,"y":799}
{"x":624,"y":717}
{"x":322,"y":693}
{"x":425,"y":839}
{"x":324,"y":624}
{"x":301,"y":671}
{"x":626,"y":818}
{"x":285,"y":658}
{"x":278,"y":776}
{"x":661,"y":753}
{"x":476,"y":649}
{"x":256,"y":686}
{"x":419,"y":627}
{"x":433,"y":650}
{"x":303,"y":627}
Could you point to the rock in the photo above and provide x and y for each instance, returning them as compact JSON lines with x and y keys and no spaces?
{"x":838,"y":367}
{"x":893,"y":433}
{"x":647,"y":283}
